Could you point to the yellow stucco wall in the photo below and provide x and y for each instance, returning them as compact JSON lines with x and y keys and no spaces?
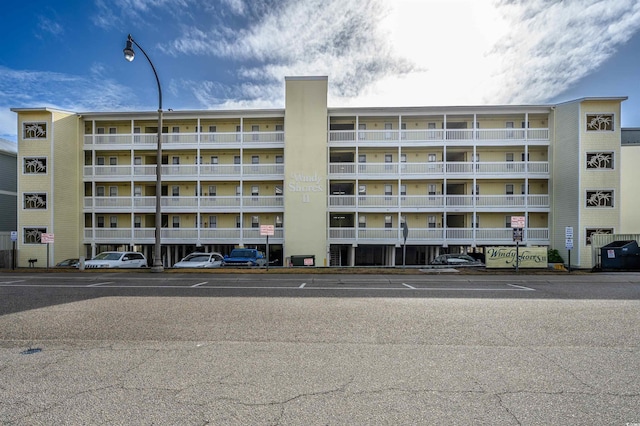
{"x":630,"y":176}
{"x":305,"y":191}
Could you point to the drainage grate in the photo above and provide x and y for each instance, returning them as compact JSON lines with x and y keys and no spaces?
{"x":31,"y":351}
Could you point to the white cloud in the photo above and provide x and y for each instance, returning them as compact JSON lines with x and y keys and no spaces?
{"x":49,"y":26}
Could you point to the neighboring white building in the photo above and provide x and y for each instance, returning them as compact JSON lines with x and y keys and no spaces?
{"x":8,"y":194}
{"x":336,"y":183}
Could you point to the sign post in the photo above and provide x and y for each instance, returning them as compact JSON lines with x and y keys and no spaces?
{"x":405,"y":233}
{"x":47,"y":239}
{"x":518,"y":224}
{"x":266,"y":230}
{"x":14,"y":238}
{"x":568,"y":243}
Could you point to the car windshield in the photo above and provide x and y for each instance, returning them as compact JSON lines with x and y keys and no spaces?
{"x":197,"y":258}
{"x":108,"y":256}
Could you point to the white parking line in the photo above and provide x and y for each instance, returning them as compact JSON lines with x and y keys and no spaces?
{"x":302,"y":285}
{"x":199,"y":284}
{"x":407,"y":285}
{"x":99,"y":284}
{"x":12,"y":282}
{"x":521,"y":287}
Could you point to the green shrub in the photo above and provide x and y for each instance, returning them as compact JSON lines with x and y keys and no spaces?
{"x":554,"y":257}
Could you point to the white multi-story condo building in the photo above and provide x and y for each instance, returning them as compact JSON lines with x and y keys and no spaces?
{"x":336,"y":183}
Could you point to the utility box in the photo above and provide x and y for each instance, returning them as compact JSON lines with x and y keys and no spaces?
{"x":303,"y":260}
{"x":620,"y":255}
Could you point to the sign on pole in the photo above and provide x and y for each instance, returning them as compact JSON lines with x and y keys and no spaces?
{"x":267,"y":230}
{"x":14,"y":235}
{"x":518,"y":221}
{"x":46,"y":238}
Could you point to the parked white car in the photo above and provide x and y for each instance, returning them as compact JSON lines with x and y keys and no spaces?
{"x":201,"y":260}
{"x":117,"y":259}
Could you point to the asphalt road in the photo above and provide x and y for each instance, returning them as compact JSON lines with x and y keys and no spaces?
{"x":193,"y":349}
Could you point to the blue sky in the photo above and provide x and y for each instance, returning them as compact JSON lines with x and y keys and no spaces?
{"x":220,"y":54}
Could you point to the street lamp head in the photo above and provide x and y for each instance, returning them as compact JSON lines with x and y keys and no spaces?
{"x":129,"y":54}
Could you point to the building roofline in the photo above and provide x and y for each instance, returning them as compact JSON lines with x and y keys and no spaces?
{"x":595,"y":98}
{"x":41,"y":109}
{"x":151,"y":115}
{"x":457,"y":109}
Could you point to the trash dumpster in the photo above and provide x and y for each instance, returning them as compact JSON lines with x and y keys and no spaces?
{"x":620,"y":255}
{"x":303,"y":260}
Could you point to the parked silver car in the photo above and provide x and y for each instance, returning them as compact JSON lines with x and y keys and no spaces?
{"x":117,"y":259}
{"x":456,"y":259}
{"x":201,"y":260}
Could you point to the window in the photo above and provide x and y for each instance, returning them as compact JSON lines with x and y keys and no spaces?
{"x":238,"y":224}
{"x":524,"y":189}
{"x":362,"y":135}
{"x":255,"y":129}
{"x":212,"y":129}
{"x":100,"y":130}
{"x":362,"y":190}
{"x":99,"y":191}
{"x":34,"y":130}
{"x":403,"y":191}
{"x":37,"y":201}
{"x":388,"y":191}
{"x":362,"y":221}
{"x":507,"y":220}
{"x":280,"y":134}
{"x":137,"y":191}
{"x":431,"y":189}
{"x":113,"y":161}
{"x":509,"y":189}
{"x":600,"y":160}
{"x":255,"y":191}
{"x":113,"y":221}
{"x":214,"y":159}
{"x":255,"y":221}
{"x":431,"y":221}
{"x":524,"y":124}
{"x":238,"y":191}
{"x":388,"y":158}
{"x":113,"y":191}
{"x":509,"y":159}
{"x":175,"y":160}
{"x":403,"y":161}
{"x":255,"y":159}
{"x":236,"y":159}
{"x":279,"y":159}
{"x":99,"y":221}
{"x":278,"y":190}
{"x":388,"y":127}
{"x":136,"y":137}
{"x":509,"y":125}
{"x":476,"y":223}
{"x":213,"y":191}
{"x":278,"y":221}
{"x":431,"y":158}
{"x":34,"y":165}
{"x":137,"y":222}
{"x":600,"y":122}
{"x":362,"y":158}
{"x":137,"y":161}
{"x":213,"y":221}
{"x":175,"y":221}
{"x":175,"y":191}
{"x":388,"y":221}
{"x":522,"y":156}
{"x":403,"y":134}
{"x":238,"y":134}
{"x":600,"y":198}
{"x":100,"y":161}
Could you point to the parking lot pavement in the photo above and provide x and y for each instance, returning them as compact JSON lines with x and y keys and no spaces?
{"x":252,"y":360}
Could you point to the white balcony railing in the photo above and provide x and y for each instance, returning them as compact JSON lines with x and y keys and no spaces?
{"x":491,"y":169}
{"x":182,"y":204}
{"x":177,"y":235}
{"x":437,"y":235}
{"x":341,"y":137}
{"x":180,"y":139}
{"x":186,"y":171}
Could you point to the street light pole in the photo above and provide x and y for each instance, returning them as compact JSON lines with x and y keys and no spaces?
{"x":129,"y":55}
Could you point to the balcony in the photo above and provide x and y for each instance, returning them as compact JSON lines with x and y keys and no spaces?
{"x":436,"y":236}
{"x":185,"y":140}
{"x":178,"y":204}
{"x":438,"y":202}
{"x":438,"y":137}
{"x":493,"y":170}
{"x":179,"y":236}
{"x":186,"y":172}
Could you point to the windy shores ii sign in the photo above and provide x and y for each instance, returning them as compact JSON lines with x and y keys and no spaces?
{"x":505,"y":257}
